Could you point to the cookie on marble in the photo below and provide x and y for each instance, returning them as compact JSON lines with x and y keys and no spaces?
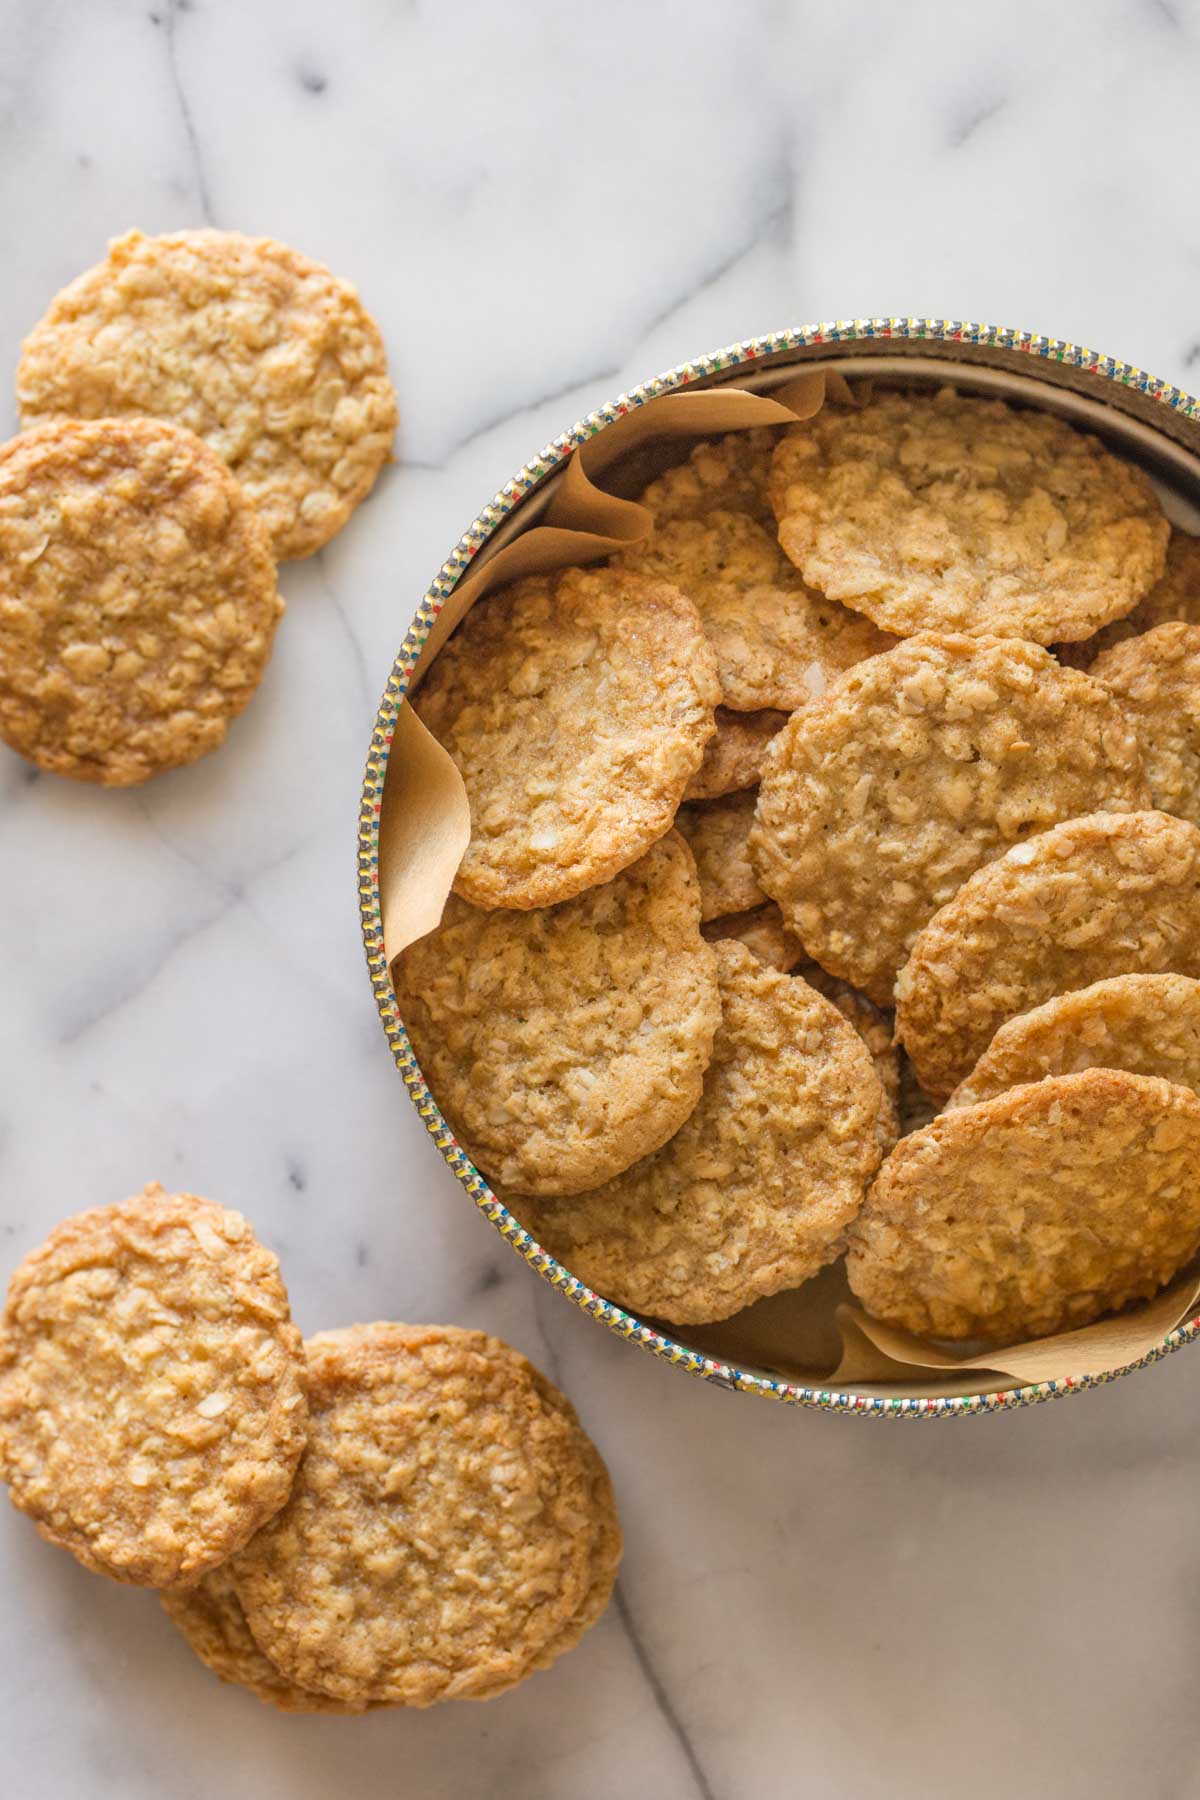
{"x":950,"y":513}
{"x":733,"y":756}
{"x":726,"y":474}
{"x":1148,"y":1024}
{"x":1156,"y":680}
{"x":754,"y":1192}
{"x":777,"y":643}
{"x":1174,"y":599}
{"x":210,"y":1617}
{"x":266,"y":355}
{"x":577,"y":707}
{"x":451,"y":1529}
{"x":137,"y":599}
{"x":765,"y":935}
{"x":562,"y":1044}
{"x":878,"y":801}
{"x":1034,"y":1212}
{"x":152,"y":1407}
{"x":1110,"y":894}
{"x":716,"y":833}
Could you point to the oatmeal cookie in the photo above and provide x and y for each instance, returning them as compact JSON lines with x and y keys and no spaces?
{"x":764,"y":933}
{"x":1174,"y":599}
{"x":577,"y":707}
{"x":1034,"y":1212}
{"x":726,"y":474}
{"x":1148,"y":1024}
{"x":733,"y":756}
{"x":1111,"y":894}
{"x":879,"y":801}
{"x":137,"y":599}
{"x":777,"y":642}
{"x":562,"y":1044}
{"x":210,"y":1617}
{"x":754,"y":1192}
{"x":716,"y":831}
{"x":946,"y":512}
{"x":264,"y":354}
{"x":1156,"y":679}
{"x":451,"y":1528}
{"x":151,"y":1388}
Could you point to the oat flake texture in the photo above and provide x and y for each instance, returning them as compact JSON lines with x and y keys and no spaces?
{"x":266,"y":355}
{"x":1034,"y":1212}
{"x":152,"y":1407}
{"x":950,"y":513}
{"x":716,"y":832}
{"x":137,"y":599}
{"x":451,"y":1529}
{"x":1111,"y":894}
{"x":755,"y":1191}
{"x":1174,"y":599}
{"x":1156,"y":681}
{"x":577,"y":707}
{"x":563,"y":1043}
{"x":879,"y":801}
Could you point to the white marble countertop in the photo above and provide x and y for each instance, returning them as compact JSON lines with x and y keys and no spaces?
{"x":544,"y":204}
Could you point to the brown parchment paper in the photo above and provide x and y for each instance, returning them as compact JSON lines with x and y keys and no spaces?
{"x":815,"y":1333}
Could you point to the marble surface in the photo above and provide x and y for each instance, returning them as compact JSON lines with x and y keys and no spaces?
{"x":543,"y":204}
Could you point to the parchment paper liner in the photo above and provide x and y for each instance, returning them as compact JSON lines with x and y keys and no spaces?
{"x":814,"y":1333}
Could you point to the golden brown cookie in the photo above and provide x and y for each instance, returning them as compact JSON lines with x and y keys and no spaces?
{"x":451,"y":1528}
{"x":137,"y":599}
{"x":777,"y":642}
{"x":716,"y":832}
{"x":754,"y":1192}
{"x":916,"y":1107}
{"x":764,"y":933}
{"x":1034,"y":1212}
{"x":563,"y":1043}
{"x":1111,"y":894}
{"x":151,"y":1388}
{"x":1156,"y":679}
{"x":577,"y":707}
{"x":733,"y":756}
{"x":264,"y":354}
{"x":949,"y":513}
{"x":210,"y":1617}
{"x":726,"y":474}
{"x":878,"y":801}
{"x":876,"y":1031}
{"x":1148,"y":1024}
{"x":1176,"y":598}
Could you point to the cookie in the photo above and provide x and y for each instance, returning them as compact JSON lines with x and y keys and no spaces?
{"x":879,"y":801}
{"x":733,"y":756}
{"x":451,"y":1528}
{"x":1148,"y":1024}
{"x":727,"y":474}
{"x":765,"y":935}
{"x":1111,"y":894}
{"x":875,"y":1029}
{"x":562,"y":1044}
{"x":716,"y":832}
{"x":1034,"y":1212}
{"x":151,"y":1388}
{"x":210,"y":1617}
{"x":777,"y":643}
{"x":1156,"y":679}
{"x":756,"y":1189}
{"x":577,"y":707}
{"x":1176,"y":598}
{"x":137,"y":599}
{"x":916,"y":1108}
{"x":264,"y":354}
{"x":949,"y":513}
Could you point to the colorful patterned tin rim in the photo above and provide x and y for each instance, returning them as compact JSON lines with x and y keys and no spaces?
{"x":755,"y":352}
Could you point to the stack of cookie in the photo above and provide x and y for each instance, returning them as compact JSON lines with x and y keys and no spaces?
{"x":887,"y":734}
{"x":389,"y":1515}
{"x":195,"y":407}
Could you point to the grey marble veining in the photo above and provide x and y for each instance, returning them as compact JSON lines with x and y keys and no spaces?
{"x":542,"y":205}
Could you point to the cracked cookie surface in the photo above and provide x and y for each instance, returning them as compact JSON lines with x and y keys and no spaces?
{"x":267,"y":356}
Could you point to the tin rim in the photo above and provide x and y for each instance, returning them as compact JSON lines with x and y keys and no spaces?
{"x":555,"y":455}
